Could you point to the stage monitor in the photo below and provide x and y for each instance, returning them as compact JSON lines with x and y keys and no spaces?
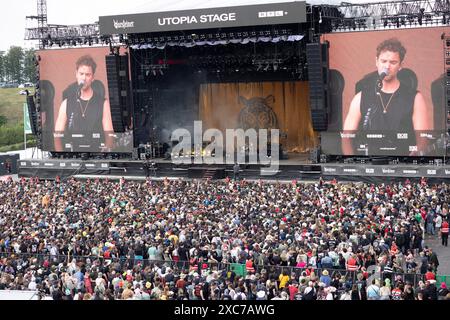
{"x":75,"y":106}
{"x":387,"y":93}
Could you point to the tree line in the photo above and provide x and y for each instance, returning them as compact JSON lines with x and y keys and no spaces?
{"x":17,"y":65}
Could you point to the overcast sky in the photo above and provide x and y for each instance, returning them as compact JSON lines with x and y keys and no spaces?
{"x":69,"y":12}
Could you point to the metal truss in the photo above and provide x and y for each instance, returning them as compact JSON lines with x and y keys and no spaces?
{"x":396,"y":8}
{"x":325,"y":11}
{"x":57,"y":32}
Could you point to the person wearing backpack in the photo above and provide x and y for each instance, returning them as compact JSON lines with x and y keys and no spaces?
{"x":373,"y":291}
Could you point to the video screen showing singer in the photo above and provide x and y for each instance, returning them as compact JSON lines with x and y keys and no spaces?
{"x":389,"y":106}
{"x":84,"y":117}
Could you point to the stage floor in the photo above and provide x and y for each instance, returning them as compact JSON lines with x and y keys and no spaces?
{"x":293,"y":159}
{"x":297,"y":166}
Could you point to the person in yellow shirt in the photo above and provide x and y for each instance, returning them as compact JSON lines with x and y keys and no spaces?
{"x":283,"y":279}
{"x":46,"y":200}
{"x":174,"y":239}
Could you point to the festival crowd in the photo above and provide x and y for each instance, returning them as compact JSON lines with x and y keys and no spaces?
{"x":221,"y":240}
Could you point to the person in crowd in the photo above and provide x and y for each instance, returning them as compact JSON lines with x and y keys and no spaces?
{"x":444,"y":233}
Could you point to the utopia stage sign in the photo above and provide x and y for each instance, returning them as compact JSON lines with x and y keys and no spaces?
{"x":252,"y":15}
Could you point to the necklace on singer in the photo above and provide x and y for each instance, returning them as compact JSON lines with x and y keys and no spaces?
{"x":83,"y":112}
{"x":385,"y":107}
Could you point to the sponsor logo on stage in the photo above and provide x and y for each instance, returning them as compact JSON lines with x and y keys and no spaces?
{"x":96,"y":135}
{"x":325,"y":169}
{"x":348,"y":135}
{"x":431,"y":171}
{"x":62,"y":164}
{"x":388,"y":170}
{"x":402,"y":136}
{"x":89,"y":165}
{"x":351,"y":170}
{"x":410,"y":171}
{"x":204,"y":18}
{"x":75,"y":164}
{"x":23,"y":163}
{"x":447,"y":171}
{"x":48,"y":164}
{"x":426,"y":135}
{"x":271,"y":14}
{"x":370,"y":170}
{"x":104,"y":165}
{"x":374,"y":136}
{"x":124,"y":24}
{"x":413,"y":148}
{"x":34,"y":164}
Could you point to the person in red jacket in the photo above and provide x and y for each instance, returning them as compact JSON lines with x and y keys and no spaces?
{"x":444,"y":233}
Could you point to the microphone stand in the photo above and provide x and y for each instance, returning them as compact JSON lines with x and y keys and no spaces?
{"x":379,"y":86}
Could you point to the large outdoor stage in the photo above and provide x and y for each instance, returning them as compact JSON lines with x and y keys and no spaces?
{"x":169,"y":78}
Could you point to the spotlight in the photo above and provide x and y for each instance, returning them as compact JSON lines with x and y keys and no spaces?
{"x":154,"y":72}
{"x":161,"y":72}
{"x":267,"y":67}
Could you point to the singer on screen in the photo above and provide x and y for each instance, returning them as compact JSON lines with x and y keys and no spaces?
{"x":84,"y":116}
{"x":387,"y":105}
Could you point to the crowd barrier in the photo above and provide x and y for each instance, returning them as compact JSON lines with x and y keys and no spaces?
{"x":240,"y":269}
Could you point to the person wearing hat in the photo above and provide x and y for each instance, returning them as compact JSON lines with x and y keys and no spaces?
{"x":325,"y":278}
{"x":443,"y":291}
{"x":261,"y":295}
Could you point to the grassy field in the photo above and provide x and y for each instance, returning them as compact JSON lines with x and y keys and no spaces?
{"x":11,"y":105}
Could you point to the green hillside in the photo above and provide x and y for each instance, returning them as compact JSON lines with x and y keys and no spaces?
{"x":11,"y":108}
{"x":11,"y":105}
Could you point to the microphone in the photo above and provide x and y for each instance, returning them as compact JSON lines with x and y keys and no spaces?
{"x":383,"y":74}
{"x":79,"y":87}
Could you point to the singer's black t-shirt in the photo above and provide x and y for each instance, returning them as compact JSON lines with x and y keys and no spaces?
{"x":399,"y":111}
{"x":396,"y":120}
{"x":87,"y":130}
